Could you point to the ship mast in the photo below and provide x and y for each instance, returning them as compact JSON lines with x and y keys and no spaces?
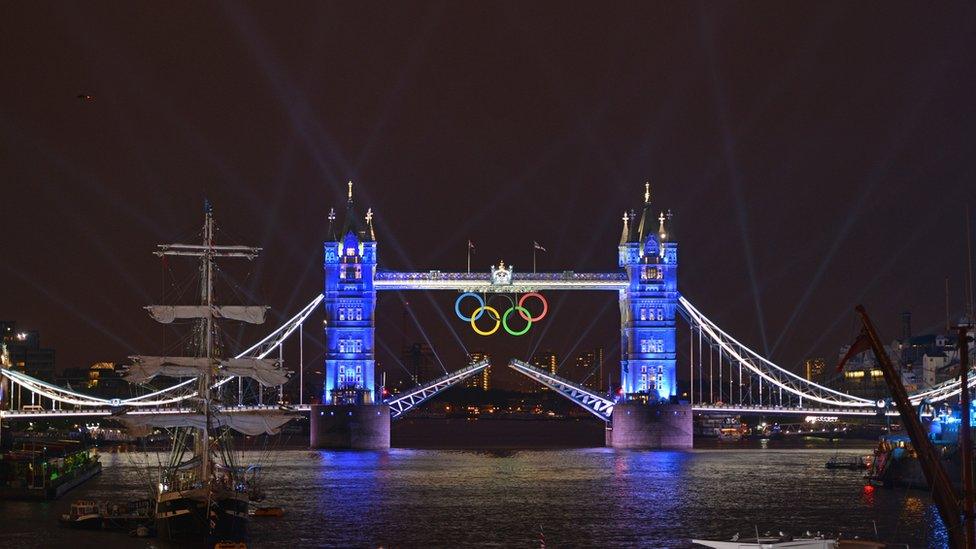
{"x":205,"y":380}
{"x":208,"y":253}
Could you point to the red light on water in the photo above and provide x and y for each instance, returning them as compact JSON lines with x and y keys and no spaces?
{"x":868,"y":489}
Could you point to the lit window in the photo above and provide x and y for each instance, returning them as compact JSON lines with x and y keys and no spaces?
{"x":342,"y":345}
{"x":660,"y":314}
{"x":643,"y":313}
{"x":359,"y":313}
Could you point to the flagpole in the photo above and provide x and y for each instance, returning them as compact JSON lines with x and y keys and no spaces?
{"x":469,"y":255}
{"x":533,"y":258}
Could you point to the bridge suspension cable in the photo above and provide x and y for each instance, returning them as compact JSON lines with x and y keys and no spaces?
{"x":741,"y":356}
{"x":261,"y":349}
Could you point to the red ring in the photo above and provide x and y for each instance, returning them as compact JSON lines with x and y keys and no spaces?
{"x":545,"y":306}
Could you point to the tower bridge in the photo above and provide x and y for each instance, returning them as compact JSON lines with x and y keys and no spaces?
{"x":725,"y":375}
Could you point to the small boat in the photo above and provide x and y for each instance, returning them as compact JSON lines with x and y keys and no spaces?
{"x":770,"y":542}
{"x":84,"y":514}
{"x":850,"y":462}
{"x":268,"y":512}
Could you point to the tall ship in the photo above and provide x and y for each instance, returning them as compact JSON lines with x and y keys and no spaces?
{"x":202,"y":490}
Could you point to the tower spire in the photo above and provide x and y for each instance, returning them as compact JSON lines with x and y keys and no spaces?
{"x":350,"y":191}
{"x":332,"y":218}
{"x":660,"y":232}
{"x":369,"y":224}
{"x":625,"y":235}
{"x":647,"y":217}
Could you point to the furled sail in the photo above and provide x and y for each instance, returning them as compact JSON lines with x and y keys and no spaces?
{"x":267,"y":371}
{"x":247,"y":422}
{"x":252,"y":314}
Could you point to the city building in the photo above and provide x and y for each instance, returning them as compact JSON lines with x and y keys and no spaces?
{"x":419,"y":359}
{"x":25,"y":351}
{"x":481,"y":379}
{"x":105,"y":379}
{"x":546,"y":360}
{"x":588,"y":369}
{"x":862,"y":375}
{"x":922,"y":361}
{"x":813,"y":369}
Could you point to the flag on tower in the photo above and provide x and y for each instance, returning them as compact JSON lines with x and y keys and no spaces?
{"x":470,"y":245}
{"x":535,"y":245}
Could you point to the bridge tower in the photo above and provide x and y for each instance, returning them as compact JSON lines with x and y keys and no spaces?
{"x":351,"y":414}
{"x":647,"y":415}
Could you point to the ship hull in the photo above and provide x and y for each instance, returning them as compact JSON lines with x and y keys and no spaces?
{"x":184,"y":516}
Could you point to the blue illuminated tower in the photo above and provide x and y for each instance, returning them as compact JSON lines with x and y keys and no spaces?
{"x":350,"y":302}
{"x":648,"y":306}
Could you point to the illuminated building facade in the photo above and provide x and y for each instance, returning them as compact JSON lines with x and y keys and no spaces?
{"x":589,"y":370}
{"x":25,"y":351}
{"x":482,"y":379}
{"x":546,"y":360}
{"x":648,"y":306}
{"x":813,"y":369}
{"x":350,"y":302}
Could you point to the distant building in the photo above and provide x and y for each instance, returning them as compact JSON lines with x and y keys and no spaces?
{"x":922,"y":361}
{"x":419,"y":359}
{"x":813,"y":369}
{"x":862,"y":375}
{"x":588,"y":369}
{"x":105,"y":379}
{"x":26,"y":353}
{"x":545,"y":360}
{"x":481,"y":379}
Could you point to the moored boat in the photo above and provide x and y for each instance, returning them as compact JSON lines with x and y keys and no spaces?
{"x":84,"y":514}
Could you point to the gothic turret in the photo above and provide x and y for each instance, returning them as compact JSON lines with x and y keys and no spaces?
{"x":350,"y":300}
{"x":648,"y":307}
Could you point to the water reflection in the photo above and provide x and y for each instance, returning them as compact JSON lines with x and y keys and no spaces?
{"x":590,"y":498}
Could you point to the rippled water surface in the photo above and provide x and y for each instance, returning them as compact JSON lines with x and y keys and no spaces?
{"x":585,"y":497}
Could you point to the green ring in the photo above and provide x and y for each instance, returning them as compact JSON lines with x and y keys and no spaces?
{"x":528,"y":323}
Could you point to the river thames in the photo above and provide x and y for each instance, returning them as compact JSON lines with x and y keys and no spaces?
{"x":591,"y":497}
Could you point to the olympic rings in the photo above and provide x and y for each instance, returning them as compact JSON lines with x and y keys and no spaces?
{"x":479,"y":311}
{"x":495,"y":297}
{"x":526,"y":314}
{"x":501,"y":319}
{"x":523,"y":312}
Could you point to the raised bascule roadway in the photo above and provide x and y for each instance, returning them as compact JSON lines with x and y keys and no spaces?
{"x":725,"y":376}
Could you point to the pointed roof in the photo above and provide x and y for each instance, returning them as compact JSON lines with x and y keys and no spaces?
{"x":332,"y":218}
{"x":625,"y":235}
{"x":647,"y":217}
{"x":371,"y":231}
{"x":352,"y":223}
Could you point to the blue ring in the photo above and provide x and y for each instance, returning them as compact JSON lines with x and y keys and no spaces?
{"x":457,"y":306}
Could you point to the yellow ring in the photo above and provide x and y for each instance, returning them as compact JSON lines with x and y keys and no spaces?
{"x":477,"y":314}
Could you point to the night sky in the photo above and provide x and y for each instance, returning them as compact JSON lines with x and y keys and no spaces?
{"x":815,"y":157}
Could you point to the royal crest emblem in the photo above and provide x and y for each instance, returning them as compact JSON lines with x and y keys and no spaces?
{"x":501,"y":274}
